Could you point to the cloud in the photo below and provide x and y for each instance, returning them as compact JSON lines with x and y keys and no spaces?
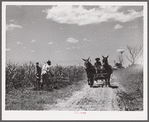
{"x":12,"y":20}
{"x":8,"y":49}
{"x":70,"y":48}
{"x":18,"y":43}
{"x":86,"y":40}
{"x":120,"y":50}
{"x":72,"y":40}
{"x":12,"y":26}
{"x":58,"y":51}
{"x":50,"y":43}
{"x":117,"y":26}
{"x":33,"y":41}
{"x":133,"y":27}
{"x":32,"y":51}
{"x":81,"y":16}
{"x":24,"y":47}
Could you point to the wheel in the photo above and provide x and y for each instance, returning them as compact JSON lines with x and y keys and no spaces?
{"x":89,"y":82}
{"x":92,"y":81}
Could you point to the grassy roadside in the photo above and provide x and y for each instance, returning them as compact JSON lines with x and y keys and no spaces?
{"x":29,"y":99}
{"x":130,"y":93}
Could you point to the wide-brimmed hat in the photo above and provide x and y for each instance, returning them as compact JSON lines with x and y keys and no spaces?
{"x":48,"y":61}
{"x":97,"y":59}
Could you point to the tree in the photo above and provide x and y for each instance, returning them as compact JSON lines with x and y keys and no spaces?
{"x":133,"y":53}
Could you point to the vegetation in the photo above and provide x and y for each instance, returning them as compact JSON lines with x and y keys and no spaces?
{"x":21,"y":79}
{"x":131,"y":80}
{"x":134,"y":53}
{"x":23,"y":76}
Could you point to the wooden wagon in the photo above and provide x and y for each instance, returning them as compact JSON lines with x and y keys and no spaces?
{"x":100,"y":75}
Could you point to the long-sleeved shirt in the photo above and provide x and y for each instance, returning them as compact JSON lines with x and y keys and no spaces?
{"x":45,"y":69}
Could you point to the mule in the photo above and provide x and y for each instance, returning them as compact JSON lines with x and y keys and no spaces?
{"x":108,"y":68}
{"x":90,"y":70}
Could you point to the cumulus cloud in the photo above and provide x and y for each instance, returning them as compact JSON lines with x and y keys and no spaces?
{"x":81,"y":16}
{"x":12,"y":20}
{"x":70,"y":48}
{"x":8,"y":49}
{"x":86,"y":40}
{"x":33,"y":41}
{"x":32,"y":51}
{"x":50,"y":43}
{"x":19,"y":43}
{"x":117,"y":26}
{"x":133,"y":27}
{"x":12,"y":26}
{"x":72,"y":40}
{"x":120,"y":50}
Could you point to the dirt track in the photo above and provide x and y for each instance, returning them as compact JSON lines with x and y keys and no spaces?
{"x":89,"y":99}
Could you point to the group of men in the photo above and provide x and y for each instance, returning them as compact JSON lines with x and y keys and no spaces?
{"x":42,"y":74}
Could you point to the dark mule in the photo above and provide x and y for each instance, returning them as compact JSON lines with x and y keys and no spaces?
{"x":108,"y":69}
{"x":90,"y":70}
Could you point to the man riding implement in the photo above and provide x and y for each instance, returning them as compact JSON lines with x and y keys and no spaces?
{"x":97,"y":64}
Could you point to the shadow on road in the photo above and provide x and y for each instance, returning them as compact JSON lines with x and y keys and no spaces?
{"x":113,"y":87}
{"x":97,"y":86}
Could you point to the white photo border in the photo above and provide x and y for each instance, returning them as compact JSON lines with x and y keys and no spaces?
{"x":70,"y":115}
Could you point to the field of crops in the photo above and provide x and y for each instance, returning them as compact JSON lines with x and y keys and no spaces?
{"x":131,"y":80}
{"x":23,"y":76}
{"x":21,"y":81}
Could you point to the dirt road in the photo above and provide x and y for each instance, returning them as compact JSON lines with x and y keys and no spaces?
{"x":89,"y":99}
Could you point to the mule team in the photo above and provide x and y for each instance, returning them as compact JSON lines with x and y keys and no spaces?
{"x":91,"y":70}
{"x":42,"y":74}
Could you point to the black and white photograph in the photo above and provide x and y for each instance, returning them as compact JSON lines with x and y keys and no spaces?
{"x":74,"y":60}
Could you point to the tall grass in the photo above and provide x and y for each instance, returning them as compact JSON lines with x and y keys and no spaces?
{"x":23,"y":75}
{"x":131,"y":79}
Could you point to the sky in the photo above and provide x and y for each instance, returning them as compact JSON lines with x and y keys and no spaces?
{"x":65,"y":34}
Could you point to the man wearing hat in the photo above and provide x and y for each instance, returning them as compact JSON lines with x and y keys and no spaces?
{"x":97,"y":64}
{"x":45,"y":73}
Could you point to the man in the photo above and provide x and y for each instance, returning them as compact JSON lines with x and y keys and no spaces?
{"x":97,"y":64}
{"x":45,"y":73}
{"x":38,"y":74}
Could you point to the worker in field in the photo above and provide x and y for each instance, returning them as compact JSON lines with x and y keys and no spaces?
{"x":46,"y":73}
{"x":38,"y":74}
{"x":97,"y":64}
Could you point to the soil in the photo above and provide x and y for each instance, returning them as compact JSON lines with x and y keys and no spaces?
{"x":96,"y":98}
